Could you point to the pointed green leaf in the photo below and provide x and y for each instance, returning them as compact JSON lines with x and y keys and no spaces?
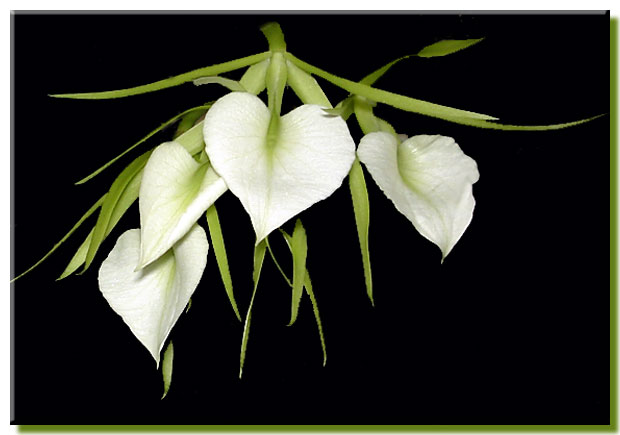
{"x":229,"y":84}
{"x":217,"y":241}
{"x":198,"y":109}
{"x":299,"y":250}
{"x":175,"y":192}
{"x":166,"y":367}
{"x":447,"y":46}
{"x":253,"y":80}
{"x":86,"y":215}
{"x":305,"y":86}
{"x":150,"y":300}
{"x":173,"y":81}
{"x":259,"y":256}
{"x":380,"y":96}
{"x":305,"y":163}
{"x":309,"y":290}
{"x":361,"y":209}
{"x":111,"y":200}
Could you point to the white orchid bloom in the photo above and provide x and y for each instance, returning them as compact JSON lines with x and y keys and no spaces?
{"x":175,"y":191}
{"x":150,"y":300}
{"x":429,"y":180}
{"x":276,"y":177}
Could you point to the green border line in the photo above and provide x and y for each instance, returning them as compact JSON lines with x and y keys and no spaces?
{"x":613,"y":224}
{"x":613,"y":323}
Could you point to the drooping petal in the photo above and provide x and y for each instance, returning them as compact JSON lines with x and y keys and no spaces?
{"x":175,"y":192}
{"x":429,"y":180}
{"x":306,"y":162}
{"x":150,"y":300}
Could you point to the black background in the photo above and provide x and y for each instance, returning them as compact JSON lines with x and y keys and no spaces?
{"x":513,"y":328}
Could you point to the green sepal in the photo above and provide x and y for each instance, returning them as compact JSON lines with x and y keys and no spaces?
{"x":259,"y":256}
{"x":78,"y":258}
{"x":299,"y":249}
{"x":217,"y":241}
{"x":253,"y":80}
{"x":231,"y":85}
{"x":380,"y":96}
{"x":344,"y":109}
{"x":309,"y":290}
{"x":212,"y":70}
{"x":306,"y":87}
{"x":361,"y":209}
{"x":274,"y":35}
{"x":199,"y":109}
{"x":480,"y":123}
{"x":365,"y":117}
{"x":110,"y":202}
{"x":166,"y":368}
{"x":86,"y":215}
{"x":276,"y":82}
{"x":446,"y":47}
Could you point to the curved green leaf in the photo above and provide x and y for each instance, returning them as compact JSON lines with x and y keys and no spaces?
{"x":173,"y":81}
{"x":86,"y":215}
{"x":217,"y":241}
{"x":259,"y":256}
{"x":399,"y":101}
{"x":148,"y":136}
{"x":166,"y":367}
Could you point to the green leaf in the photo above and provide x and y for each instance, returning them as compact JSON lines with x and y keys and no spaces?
{"x":361,"y":209}
{"x":217,"y":241}
{"x":299,"y":249}
{"x":259,"y":256}
{"x":170,"y":82}
{"x":306,"y":87}
{"x":447,"y":46}
{"x":172,"y":120}
{"x":229,"y":84}
{"x":110,"y":203}
{"x":166,"y":368}
{"x":253,"y":80}
{"x":380,"y":96}
{"x":309,"y":290}
{"x":66,"y":236}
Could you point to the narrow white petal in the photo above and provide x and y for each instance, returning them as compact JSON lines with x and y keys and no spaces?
{"x":175,"y":192}
{"x":308,"y":161}
{"x":150,"y":300}
{"x":429,"y":180}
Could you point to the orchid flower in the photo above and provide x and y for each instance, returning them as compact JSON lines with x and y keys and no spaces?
{"x":277,"y":166}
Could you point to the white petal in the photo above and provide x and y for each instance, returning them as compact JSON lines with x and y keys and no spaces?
{"x":429,"y":180}
{"x":150,"y":300}
{"x":308,"y":162}
{"x":175,"y":192}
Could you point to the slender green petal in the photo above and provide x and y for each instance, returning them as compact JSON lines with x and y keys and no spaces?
{"x":299,"y":250}
{"x":309,"y":290}
{"x":277,"y":263}
{"x":253,"y":80}
{"x":217,"y":241}
{"x":259,"y":256}
{"x":308,"y":161}
{"x":429,"y":180}
{"x":166,"y":367}
{"x":110,"y":203}
{"x":447,"y":46}
{"x":344,"y":109}
{"x":175,"y":192}
{"x":385,"y":97}
{"x":386,"y":126}
{"x":361,"y":209}
{"x":274,"y":35}
{"x":150,"y":300}
{"x":306,"y":87}
{"x":365,"y":117}
{"x":172,"y":120}
{"x":497,"y":126}
{"x":276,"y":82}
{"x":127,"y":198}
{"x":229,"y":84}
{"x":371,"y":78}
{"x":86,"y":215}
{"x":173,"y":81}
{"x":78,"y":258}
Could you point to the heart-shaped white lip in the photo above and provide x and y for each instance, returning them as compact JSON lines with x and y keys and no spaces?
{"x":306,"y":163}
